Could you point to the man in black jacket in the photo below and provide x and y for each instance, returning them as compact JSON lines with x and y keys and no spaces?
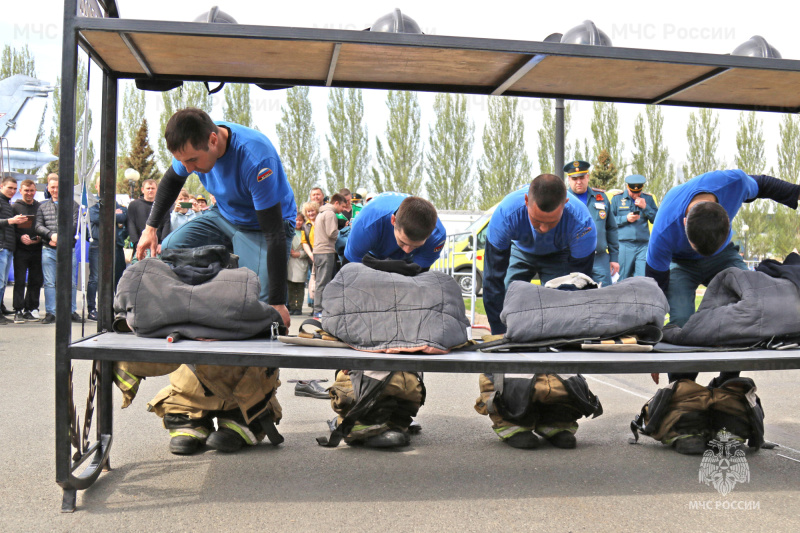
{"x":139,"y":211}
{"x":27,"y":256}
{"x":8,"y":188}
{"x":47,"y":229}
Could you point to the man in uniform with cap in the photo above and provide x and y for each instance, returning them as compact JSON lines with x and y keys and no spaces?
{"x":633,"y":209}
{"x":606,"y":254}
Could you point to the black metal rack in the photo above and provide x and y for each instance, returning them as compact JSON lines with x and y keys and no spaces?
{"x":341,"y":58}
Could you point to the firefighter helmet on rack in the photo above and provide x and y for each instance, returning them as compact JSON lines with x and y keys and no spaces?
{"x":396,"y":22}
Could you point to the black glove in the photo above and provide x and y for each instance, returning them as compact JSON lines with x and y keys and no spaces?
{"x":396,"y":266}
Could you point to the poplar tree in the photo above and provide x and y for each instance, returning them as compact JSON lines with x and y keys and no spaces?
{"x":299,"y":145}
{"x":134,"y":105}
{"x":784,"y":224}
{"x":753,"y":216}
{"x":400,"y":163}
{"x":547,"y":139}
{"x":450,"y":181}
{"x":140,"y":159}
{"x":348,"y":143}
{"x":504,"y":166}
{"x":703,"y":136}
{"x":13,"y":61}
{"x":55,"y":130}
{"x":237,"y":108}
{"x":605,"y":134}
{"x":650,"y":154}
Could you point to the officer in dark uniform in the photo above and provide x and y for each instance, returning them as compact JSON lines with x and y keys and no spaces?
{"x":633,"y":209}
{"x":606,"y":255}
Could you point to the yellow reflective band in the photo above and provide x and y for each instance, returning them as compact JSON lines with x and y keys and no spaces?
{"x":123,"y":381}
{"x":197,"y":433}
{"x":509,"y":431}
{"x":238,"y":429}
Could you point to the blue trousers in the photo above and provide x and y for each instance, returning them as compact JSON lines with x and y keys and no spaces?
{"x":6,"y":258}
{"x":632,"y":259}
{"x":685,"y":275}
{"x":49,"y":267}
{"x":601,"y":271}
{"x":249,"y":244}
{"x":524,"y":266}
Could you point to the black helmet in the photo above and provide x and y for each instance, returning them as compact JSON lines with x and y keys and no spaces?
{"x":215,"y":15}
{"x":396,"y":22}
{"x":757,"y":46}
{"x":586,"y":33}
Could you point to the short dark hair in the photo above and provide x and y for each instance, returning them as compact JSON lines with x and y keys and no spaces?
{"x":190,"y":125}
{"x":548,"y":192}
{"x":416,"y":217}
{"x":338,"y":198}
{"x":6,"y":179}
{"x":344,"y":191}
{"x":27,"y":183}
{"x":707,"y":227}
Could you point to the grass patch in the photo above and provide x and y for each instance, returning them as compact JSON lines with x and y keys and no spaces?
{"x":478,"y":305}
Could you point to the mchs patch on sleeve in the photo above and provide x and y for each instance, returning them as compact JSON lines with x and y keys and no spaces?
{"x":439,"y":248}
{"x":263,"y":174}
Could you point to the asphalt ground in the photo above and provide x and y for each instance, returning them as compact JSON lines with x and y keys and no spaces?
{"x":455,"y":476}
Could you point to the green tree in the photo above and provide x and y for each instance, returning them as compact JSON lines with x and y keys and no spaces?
{"x":450,"y":181}
{"x":752,"y":224}
{"x":140,"y":159}
{"x":605,"y":173}
{"x":650,"y":154}
{"x":789,"y":149}
{"x":13,"y":61}
{"x":299,"y":144}
{"x":134,"y":104}
{"x":348,"y":143}
{"x":88,"y":158}
{"x":784,"y":223}
{"x":703,"y":135}
{"x":605,"y":133}
{"x":504,"y":165}
{"x":400,"y":164}
{"x":237,"y":108}
{"x":547,"y":139}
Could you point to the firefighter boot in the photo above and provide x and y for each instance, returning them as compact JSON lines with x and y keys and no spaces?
{"x":186,"y":435}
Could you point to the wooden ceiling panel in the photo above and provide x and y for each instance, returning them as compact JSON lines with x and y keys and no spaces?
{"x":231,"y":57}
{"x":749,"y":87}
{"x":609,"y":78}
{"x":428,"y":66}
{"x":114,"y":52}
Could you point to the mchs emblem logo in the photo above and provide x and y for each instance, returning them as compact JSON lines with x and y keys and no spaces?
{"x":726,"y":465}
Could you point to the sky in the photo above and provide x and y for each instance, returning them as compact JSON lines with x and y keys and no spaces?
{"x":709,"y":26}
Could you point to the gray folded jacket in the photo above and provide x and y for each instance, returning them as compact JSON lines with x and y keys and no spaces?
{"x":386,"y":312}
{"x":741,"y":307}
{"x":154,"y":302}
{"x":534,"y":313}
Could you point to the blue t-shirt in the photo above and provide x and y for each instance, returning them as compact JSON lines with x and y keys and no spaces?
{"x":575,"y":232}
{"x":373,"y":233}
{"x":249,"y":177}
{"x":668,"y":239}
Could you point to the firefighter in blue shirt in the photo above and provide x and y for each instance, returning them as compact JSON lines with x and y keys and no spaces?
{"x":691,"y":239}
{"x":606,"y":257}
{"x":376,"y":232}
{"x":535,"y":230}
{"x":538,"y":229}
{"x":633,"y":209}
